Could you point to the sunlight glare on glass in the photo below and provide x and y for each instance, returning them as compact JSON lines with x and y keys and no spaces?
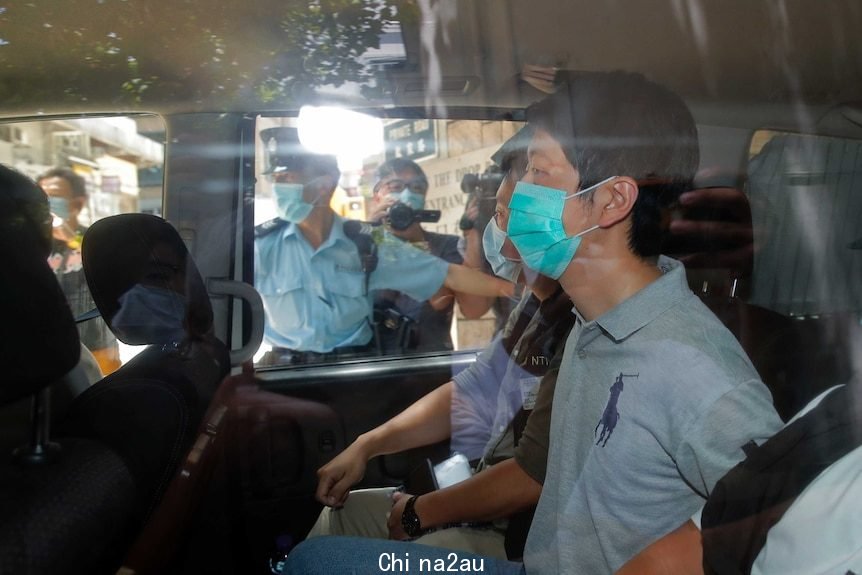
{"x":348,"y":135}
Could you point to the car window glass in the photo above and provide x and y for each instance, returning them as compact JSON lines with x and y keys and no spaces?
{"x":90,"y":168}
{"x":457,"y":172}
{"x":807,"y":215}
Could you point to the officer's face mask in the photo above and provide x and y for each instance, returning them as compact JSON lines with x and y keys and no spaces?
{"x":411,"y":198}
{"x":536,"y":227}
{"x":492,"y":242}
{"x":290,"y":205}
{"x":59,"y":206}
{"x":150,"y":314}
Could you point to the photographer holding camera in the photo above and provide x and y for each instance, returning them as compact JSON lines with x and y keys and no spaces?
{"x":399,"y":201}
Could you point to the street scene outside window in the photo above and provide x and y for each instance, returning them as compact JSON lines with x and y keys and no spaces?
{"x":90,"y":168}
{"x":427,"y":183}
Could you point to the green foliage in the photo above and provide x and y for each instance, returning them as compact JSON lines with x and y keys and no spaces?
{"x":239,"y":54}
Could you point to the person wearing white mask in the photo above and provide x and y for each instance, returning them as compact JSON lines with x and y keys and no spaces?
{"x":316,"y":293}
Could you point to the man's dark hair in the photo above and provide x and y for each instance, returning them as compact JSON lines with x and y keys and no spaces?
{"x":397,"y":166}
{"x":512,"y":155}
{"x":621,"y":124}
{"x":76,"y":182}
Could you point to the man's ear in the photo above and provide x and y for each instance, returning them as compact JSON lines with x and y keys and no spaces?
{"x":617,"y":200}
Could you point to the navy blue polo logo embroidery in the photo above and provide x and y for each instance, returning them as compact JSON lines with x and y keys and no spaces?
{"x":610,"y":416}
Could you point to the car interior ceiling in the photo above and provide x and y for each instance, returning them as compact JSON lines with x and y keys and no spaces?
{"x":252,"y":442}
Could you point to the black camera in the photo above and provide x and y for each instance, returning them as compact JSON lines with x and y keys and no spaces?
{"x":483,"y":187}
{"x":401,"y":216}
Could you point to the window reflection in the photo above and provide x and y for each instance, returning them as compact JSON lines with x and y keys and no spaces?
{"x":442,"y":176}
{"x":89,"y":168}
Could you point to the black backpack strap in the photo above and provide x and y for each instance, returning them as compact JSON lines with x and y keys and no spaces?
{"x":268,"y":227}
{"x":755,"y":494}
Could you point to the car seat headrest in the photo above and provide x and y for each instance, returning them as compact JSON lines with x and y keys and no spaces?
{"x":39,"y":338}
{"x":710,"y":230}
{"x":143,"y":281}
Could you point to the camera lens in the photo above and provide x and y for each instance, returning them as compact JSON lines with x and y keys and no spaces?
{"x":400,"y":216}
{"x":469,"y":182}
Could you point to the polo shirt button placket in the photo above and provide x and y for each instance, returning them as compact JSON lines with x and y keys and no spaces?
{"x":582,"y":353}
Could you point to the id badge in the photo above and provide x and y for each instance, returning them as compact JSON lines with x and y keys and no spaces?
{"x":452,"y":471}
{"x":529,"y":391}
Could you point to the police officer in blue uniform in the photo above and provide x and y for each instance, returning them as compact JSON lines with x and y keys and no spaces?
{"x":316,"y":291}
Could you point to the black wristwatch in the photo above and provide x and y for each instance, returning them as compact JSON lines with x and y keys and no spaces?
{"x":409,"y":520}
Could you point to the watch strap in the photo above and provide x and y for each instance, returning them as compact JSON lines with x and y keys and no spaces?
{"x":409,"y":520}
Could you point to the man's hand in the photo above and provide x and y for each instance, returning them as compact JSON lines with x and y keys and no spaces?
{"x":337,"y":477}
{"x":381,"y":207}
{"x":471,"y":212}
{"x":442,"y":299}
{"x":540,"y":77}
{"x":393,"y":519}
{"x":714,"y":230}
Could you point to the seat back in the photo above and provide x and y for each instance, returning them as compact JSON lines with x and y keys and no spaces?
{"x":38,"y":334}
{"x":149,"y":292}
{"x":806,"y":197}
{"x":718,"y":251}
{"x":64,"y":513}
{"x":790,"y":310}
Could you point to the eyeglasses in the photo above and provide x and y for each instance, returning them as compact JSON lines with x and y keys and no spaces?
{"x":418,"y":185}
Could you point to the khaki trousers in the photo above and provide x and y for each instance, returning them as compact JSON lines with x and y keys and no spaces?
{"x":364,"y":515}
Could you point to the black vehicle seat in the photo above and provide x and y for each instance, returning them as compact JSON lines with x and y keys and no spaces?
{"x":62,"y":504}
{"x":804,"y":192}
{"x":15,"y":417}
{"x":719,"y":267}
{"x":149,"y":409}
{"x":791,"y":335}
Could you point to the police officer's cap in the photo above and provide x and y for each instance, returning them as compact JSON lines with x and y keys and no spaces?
{"x":285,"y":153}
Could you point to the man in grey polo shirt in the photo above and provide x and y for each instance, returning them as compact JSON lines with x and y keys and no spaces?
{"x":655,"y":398}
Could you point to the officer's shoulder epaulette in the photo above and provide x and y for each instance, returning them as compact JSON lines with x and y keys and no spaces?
{"x":268,"y":227}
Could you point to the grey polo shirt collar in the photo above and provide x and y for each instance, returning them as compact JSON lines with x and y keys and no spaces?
{"x":647,"y":304}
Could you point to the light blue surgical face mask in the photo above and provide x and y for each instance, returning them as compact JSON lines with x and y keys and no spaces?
{"x":536,"y":227}
{"x":59,"y":207}
{"x":150,"y":314}
{"x":289,"y":202}
{"x":412,"y":199}
{"x":492,"y":242}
